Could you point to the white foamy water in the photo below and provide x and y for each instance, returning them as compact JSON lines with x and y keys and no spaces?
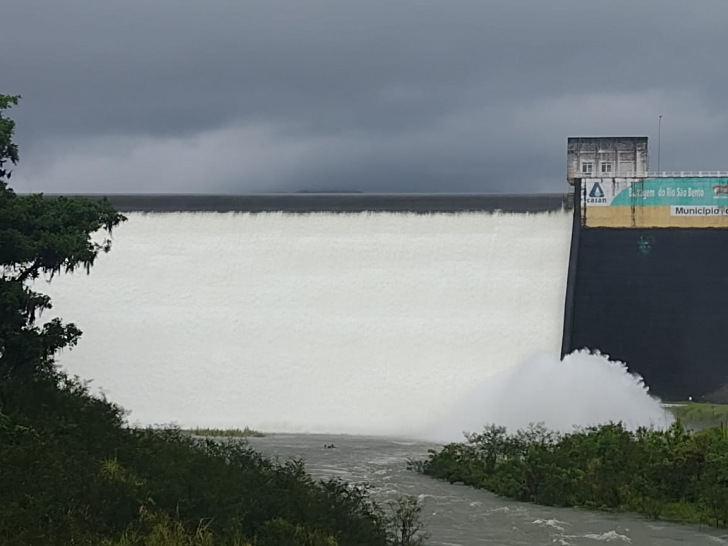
{"x":581,"y":390}
{"x":358,"y":323}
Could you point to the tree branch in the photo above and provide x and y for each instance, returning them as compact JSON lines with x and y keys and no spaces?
{"x":32,"y":271}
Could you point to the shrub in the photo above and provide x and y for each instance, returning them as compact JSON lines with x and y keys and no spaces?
{"x":660,"y":473}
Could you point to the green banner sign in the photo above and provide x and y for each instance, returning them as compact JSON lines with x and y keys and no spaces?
{"x":666,"y":192}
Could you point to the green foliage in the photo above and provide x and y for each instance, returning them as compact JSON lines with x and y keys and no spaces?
{"x":72,"y":472}
{"x":161,"y":530}
{"x":8,"y":149}
{"x":37,"y":237}
{"x":700,"y":415}
{"x":64,"y":485}
{"x":670,"y":473}
{"x":405,"y":526}
{"x":227,"y":432}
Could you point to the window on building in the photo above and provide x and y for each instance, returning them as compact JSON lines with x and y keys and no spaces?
{"x":606,"y":167}
{"x":587,"y":167}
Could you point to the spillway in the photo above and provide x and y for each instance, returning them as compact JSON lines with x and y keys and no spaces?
{"x":356,"y":322}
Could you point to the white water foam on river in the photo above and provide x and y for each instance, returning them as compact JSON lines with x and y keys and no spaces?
{"x":371,"y":323}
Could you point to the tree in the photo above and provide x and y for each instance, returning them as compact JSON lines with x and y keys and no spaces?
{"x":38,"y":236}
{"x":406,"y":529}
{"x":71,"y":473}
{"x":8,"y":149}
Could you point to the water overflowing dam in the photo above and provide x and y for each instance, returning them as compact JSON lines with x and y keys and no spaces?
{"x":376,"y":314}
{"x":357,"y":322}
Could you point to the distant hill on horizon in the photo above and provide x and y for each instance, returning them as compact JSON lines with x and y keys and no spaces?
{"x":328,"y":191}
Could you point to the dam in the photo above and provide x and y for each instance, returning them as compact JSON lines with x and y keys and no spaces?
{"x":376,"y":314}
{"x":358,"y":322}
{"x":648,"y":282}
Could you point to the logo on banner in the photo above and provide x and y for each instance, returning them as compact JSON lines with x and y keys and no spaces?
{"x":720,"y":191}
{"x":596,"y":195}
{"x":596,"y":191}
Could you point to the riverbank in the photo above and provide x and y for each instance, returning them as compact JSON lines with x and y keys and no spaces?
{"x":674,"y":474}
{"x":699,"y":415}
{"x":225,"y":432}
{"x":73,"y":473}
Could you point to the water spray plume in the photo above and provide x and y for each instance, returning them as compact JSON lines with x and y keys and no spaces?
{"x":581,"y":390}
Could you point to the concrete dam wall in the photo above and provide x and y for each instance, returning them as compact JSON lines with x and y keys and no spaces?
{"x":317,"y":321}
{"x":334,"y":313}
{"x":648,"y":280}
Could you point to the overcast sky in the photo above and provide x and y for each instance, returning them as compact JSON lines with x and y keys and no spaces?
{"x":235,"y":96}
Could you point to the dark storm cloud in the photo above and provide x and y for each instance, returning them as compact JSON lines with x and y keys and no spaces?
{"x":395,"y":95}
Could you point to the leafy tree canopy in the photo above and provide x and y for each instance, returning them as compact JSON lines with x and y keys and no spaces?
{"x":8,"y":150}
{"x":39,"y":236}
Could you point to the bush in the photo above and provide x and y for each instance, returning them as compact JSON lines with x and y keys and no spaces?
{"x":76,"y":481}
{"x":671,"y":473}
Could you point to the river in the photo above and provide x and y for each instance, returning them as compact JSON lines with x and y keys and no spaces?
{"x":456,"y":515}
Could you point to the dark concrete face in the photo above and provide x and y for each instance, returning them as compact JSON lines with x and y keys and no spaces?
{"x":655,"y":299}
{"x":249,"y":96}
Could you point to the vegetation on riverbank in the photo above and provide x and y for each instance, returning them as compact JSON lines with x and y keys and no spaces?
{"x":673,"y":474}
{"x":73,"y":473}
{"x":226,"y":432}
{"x":699,"y":415}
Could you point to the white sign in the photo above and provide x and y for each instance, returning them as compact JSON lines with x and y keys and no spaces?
{"x":595,"y":194}
{"x":697,"y":210}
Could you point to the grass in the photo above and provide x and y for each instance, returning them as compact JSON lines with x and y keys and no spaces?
{"x":226,"y":432}
{"x":699,"y":414}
